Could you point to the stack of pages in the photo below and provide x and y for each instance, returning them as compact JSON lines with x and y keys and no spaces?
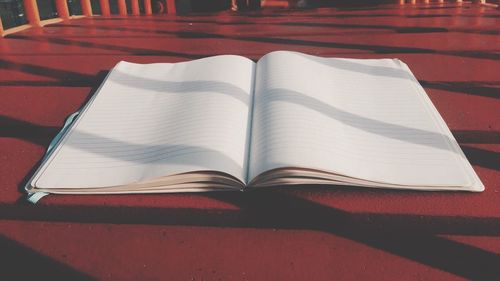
{"x":228,"y":123}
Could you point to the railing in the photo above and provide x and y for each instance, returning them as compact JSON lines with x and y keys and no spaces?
{"x":27,"y":13}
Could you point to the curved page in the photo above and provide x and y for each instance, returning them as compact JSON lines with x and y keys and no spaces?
{"x":366,"y":119}
{"x":154,"y":120}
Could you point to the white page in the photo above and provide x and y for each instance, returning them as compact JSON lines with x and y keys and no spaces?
{"x":360,"y":118}
{"x":154,"y":120}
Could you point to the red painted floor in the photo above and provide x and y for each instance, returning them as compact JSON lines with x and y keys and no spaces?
{"x":299,"y":234}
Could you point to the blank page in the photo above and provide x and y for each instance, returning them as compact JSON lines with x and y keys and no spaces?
{"x":154,"y":120}
{"x":367,"y":119}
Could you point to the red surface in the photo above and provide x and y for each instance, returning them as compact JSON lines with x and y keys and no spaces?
{"x":295,"y":234}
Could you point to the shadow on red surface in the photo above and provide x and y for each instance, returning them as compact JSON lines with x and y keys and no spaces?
{"x":22,"y":263}
{"x":410,"y":236}
{"x":377,"y":49}
{"x":414,"y":237}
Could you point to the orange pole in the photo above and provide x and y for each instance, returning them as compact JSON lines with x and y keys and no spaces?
{"x":122,"y":8}
{"x":62,"y":9}
{"x":1,"y":27}
{"x":86,"y":8}
{"x":135,"y":7}
{"x":31,"y":10}
{"x":171,"y":6}
{"x":147,"y":7}
{"x":105,"y":8}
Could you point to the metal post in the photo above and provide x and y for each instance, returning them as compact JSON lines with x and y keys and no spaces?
{"x":105,"y":8}
{"x":171,"y":7}
{"x":86,"y":8}
{"x":1,"y":27}
{"x":135,"y":7}
{"x":31,"y":9}
{"x":148,"y":10}
{"x":122,"y":8}
{"x":62,"y":9}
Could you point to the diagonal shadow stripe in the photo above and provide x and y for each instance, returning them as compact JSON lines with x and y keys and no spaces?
{"x":488,"y":89}
{"x":382,"y":49}
{"x":42,"y":135}
{"x":18,"y":262}
{"x":252,"y":215}
{"x":258,"y":210}
{"x":37,"y":134}
{"x":409,"y":242}
{"x":378,"y":49}
{"x":409,"y":236}
{"x":398,"y":29}
{"x":412,"y":240}
{"x":397,"y":234}
{"x":89,"y":81}
{"x":45,"y":71}
{"x":477,"y":136}
{"x":481,"y":157}
{"x":112,"y":47}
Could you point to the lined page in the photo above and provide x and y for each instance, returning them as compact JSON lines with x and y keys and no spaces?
{"x":154,"y":120}
{"x":359,"y":118}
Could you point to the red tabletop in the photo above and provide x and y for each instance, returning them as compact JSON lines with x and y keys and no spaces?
{"x":311,"y":233}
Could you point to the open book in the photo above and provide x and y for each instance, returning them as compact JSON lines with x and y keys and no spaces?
{"x":228,"y":123}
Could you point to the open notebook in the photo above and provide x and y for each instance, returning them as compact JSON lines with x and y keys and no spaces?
{"x":227,"y":123}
